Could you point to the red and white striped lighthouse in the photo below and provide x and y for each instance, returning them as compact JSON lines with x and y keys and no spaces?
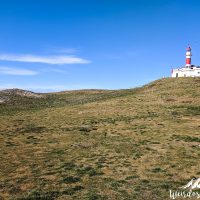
{"x":188,"y":57}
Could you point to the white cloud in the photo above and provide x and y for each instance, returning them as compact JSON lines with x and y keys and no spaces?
{"x":16,"y":71}
{"x":62,"y":59}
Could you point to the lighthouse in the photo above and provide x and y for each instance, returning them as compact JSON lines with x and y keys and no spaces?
{"x":188,"y":57}
{"x":188,"y":70}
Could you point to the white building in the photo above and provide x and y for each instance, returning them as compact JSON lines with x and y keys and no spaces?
{"x":188,"y":70}
{"x":193,"y":71}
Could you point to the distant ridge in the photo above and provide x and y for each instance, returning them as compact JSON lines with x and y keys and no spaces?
{"x":5,"y":95}
{"x":166,"y":89}
{"x":20,"y":92}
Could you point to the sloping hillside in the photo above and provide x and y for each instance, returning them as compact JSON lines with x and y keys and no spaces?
{"x":95,"y":144}
{"x":15,"y":100}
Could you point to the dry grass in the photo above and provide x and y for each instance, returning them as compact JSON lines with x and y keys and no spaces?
{"x":129,"y":144}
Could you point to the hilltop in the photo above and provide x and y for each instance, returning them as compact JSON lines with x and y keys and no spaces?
{"x":11,"y":95}
{"x":101,"y":144}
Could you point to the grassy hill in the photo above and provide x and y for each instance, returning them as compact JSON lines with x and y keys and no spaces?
{"x":101,"y":144}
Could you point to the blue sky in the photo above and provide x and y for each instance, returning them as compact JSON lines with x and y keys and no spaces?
{"x":110,"y":44}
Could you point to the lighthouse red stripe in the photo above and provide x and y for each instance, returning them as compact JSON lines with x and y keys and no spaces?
{"x":188,"y":60}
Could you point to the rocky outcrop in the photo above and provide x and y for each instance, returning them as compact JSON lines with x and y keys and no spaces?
{"x":6,"y":95}
{"x":21,"y":93}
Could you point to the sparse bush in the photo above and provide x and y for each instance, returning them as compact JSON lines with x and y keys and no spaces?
{"x":157,"y":170}
{"x":71,"y":179}
{"x":186,"y":138}
{"x":68,"y":166}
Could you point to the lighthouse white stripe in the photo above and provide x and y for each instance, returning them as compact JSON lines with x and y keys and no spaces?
{"x":188,"y":53}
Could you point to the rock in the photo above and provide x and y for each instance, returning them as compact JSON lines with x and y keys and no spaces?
{"x":85,"y":128}
{"x":21,"y":93}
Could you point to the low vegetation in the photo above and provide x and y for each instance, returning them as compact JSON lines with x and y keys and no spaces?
{"x":101,"y":144}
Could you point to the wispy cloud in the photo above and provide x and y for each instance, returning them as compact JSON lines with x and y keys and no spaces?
{"x":63,"y":50}
{"x":16,"y":71}
{"x":49,"y":69}
{"x":34,"y":88}
{"x":48,"y":87}
{"x":60,"y":50}
{"x":120,"y":55}
{"x":62,"y":59}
